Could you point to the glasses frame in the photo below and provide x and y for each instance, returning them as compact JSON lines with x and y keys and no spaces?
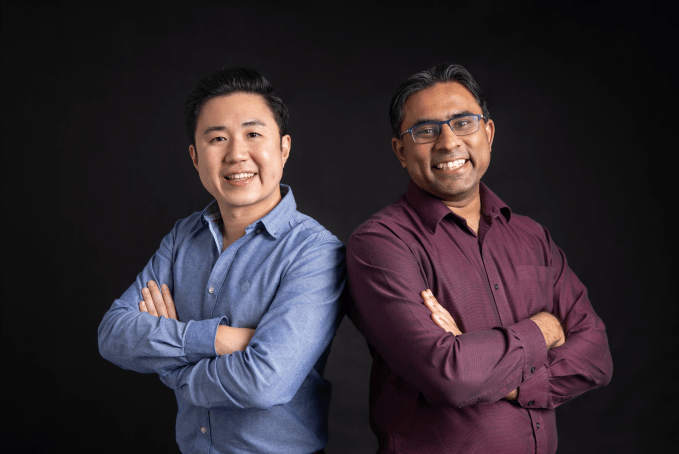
{"x":441,"y":123}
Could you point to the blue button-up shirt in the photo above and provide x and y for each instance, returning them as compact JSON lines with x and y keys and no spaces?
{"x":283,"y":278}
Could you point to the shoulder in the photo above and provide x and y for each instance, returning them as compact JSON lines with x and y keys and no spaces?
{"x":390,"y":220}
{"x":392,"y":231}
{"x":309,"y":232}
{"x":189,"y":224}
{"x":527,"y":226}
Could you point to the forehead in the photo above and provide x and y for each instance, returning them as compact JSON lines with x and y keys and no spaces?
{"x":236,"y":107}
{"x":439,"y":102}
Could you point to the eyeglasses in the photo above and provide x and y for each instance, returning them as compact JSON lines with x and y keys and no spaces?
{"x":430,"y":131}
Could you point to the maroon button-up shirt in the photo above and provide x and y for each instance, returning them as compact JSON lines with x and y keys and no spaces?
{"x":432,"y":392}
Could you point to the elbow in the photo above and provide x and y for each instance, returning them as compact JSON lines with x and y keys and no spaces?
{"x":456,"y":399}
{"x":266,"y":403}
{"x":269,"y":397}
{"x":103,"y":340}
{"x":605,"y":374}
{"x":457,"y":393}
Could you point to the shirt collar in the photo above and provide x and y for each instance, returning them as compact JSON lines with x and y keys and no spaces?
{"x":273,"y":222}
{"x":431,"y":209}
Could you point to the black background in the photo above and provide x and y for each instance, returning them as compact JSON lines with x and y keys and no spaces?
{"x":96,"y":171}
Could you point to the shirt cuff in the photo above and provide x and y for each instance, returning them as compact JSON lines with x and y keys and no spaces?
{"x":533,"y":392}
{"x":534,"y":347}
{"x":199,"y":340}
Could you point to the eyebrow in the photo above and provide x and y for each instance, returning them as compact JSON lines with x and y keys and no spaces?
{"x":461,"y":113}
{"x":224,"y":128}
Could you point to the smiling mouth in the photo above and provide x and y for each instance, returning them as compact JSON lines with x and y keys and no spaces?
{"x":451,"y":165}
{"x":235,"y":177}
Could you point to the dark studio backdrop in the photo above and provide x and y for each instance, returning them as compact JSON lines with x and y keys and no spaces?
{"x":96,"y":171}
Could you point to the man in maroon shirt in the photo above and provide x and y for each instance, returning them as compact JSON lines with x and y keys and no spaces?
{"x":512,"y":335}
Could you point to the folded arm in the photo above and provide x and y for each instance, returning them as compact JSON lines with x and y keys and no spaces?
{"x":549,"y":326}
{"x":457,"y":370}
{"x":298,"y":327}
{"x":583,"y":361}
{"x":159,"y":303}
{"x":136,"y":340}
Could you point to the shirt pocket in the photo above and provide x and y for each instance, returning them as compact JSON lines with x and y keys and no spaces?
{"x":536,"y":284}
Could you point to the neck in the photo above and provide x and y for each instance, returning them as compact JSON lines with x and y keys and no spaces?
{"x":236,"y":219}
{"x":468,"y":209}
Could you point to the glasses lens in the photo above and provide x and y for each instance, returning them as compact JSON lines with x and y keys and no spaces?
{"x":468,"y":124}
{"x":426,"y":132}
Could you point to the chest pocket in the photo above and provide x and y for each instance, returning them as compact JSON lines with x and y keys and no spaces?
{"x":537,"y":287}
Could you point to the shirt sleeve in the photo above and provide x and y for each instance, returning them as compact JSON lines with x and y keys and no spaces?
{"x":584,"y":361}
{"x":144,"y":343}
{"x":290,"y":338}
{"x":385,"y":280}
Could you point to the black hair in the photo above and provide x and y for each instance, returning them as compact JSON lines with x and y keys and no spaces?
{"x":233,"y":80}
{"x":445,"y":72}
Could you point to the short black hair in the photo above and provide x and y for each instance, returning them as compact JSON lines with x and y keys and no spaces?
{"x":445,"y":72}
{"x":228,"y":81}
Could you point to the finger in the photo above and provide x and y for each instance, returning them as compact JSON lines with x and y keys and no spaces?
{"x":429,"y":300}
{"x":441,"y":323}
{"x":434,"y":306}
{"x":148,"y":302}
{"x":169,"y":302}
{"x":142,"y":307}
{"x":157,"y":299}
{"x":445,"y":320}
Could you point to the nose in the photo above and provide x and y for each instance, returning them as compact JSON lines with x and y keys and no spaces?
{"x":447,"y":139}
{"x":236,"y":151}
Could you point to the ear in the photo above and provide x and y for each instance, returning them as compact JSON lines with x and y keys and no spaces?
{"x":399,"y":150}
{"x":490,"y":133}
{"x":286,"y":142}
{"x":194,"y":156}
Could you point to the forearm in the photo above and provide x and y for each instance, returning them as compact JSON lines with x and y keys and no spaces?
{"x":471,"y":368}
{"x":583,"y":362}
{"x":474,"y":367}
{"x":147,"y":344}
{"x":289,"y":339}
{"x":230,"y":340}
{"x":268,"y":372}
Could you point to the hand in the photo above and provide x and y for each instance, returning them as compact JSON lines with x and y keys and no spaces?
{"x":231,"y":340}
{"x":157,"y":301}
{"x":513,"y":395}
{"x":439,"y":314}
{"x":551,"y":329}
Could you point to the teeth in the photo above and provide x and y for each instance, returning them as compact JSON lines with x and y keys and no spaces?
{"x":451,"y":165}
{"x":239,"y":176}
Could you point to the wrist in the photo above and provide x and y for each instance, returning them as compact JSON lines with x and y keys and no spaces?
{"x":551,"y":329}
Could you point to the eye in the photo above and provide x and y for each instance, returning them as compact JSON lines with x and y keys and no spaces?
{"x":428,"y":129}
{"x":253,"y":135}
{"x":218,"y":139}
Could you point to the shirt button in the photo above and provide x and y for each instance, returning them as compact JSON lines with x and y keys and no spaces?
{"x":211,"y":290}
{"x":537,"y":425}
{"x":259,"y":231}
{"x":203,"y":429}
{"x":530,"y":403}
{"x":532,"y":369}
{"x":497,"y":286}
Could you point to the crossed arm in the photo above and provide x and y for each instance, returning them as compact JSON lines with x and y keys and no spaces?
{"x":159,"y":303}
{"x":482,"y":365}
{"x":211,"y":364}
{"x":549,"y":326}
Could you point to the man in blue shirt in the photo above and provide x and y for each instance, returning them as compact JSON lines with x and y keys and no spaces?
{"x":237,"y":309}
